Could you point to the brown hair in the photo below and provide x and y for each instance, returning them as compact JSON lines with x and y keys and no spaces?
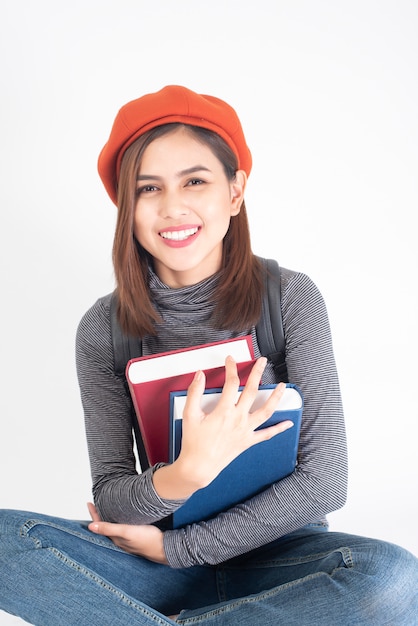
{"x":239,"y":290}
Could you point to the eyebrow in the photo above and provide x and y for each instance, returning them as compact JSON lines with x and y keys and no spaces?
{"x":186,"y":172}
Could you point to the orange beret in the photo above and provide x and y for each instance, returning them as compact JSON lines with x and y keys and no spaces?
{"x":171,"y":104}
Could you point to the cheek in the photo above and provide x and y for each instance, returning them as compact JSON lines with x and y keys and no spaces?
{"x":220,"y":225}
{"x":141,"y":215}
{"x":219,"y":207}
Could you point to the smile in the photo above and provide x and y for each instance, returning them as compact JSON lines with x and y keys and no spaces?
{"x":179,"y":235}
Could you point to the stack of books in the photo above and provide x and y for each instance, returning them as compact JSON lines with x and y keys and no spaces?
{"x":158,"y":385}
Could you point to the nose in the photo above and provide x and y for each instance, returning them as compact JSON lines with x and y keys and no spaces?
{"x":173,"y":205}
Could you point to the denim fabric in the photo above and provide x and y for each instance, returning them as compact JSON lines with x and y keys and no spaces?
{"x":54,"y":572}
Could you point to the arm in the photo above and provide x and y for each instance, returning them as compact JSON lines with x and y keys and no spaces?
{"x":318,"y":485}
{"x":120,"y":493}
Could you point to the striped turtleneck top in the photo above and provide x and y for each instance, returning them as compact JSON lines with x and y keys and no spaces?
{"x":124,"y":494}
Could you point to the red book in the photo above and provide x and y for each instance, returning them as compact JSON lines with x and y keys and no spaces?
{"x":152,"y":378}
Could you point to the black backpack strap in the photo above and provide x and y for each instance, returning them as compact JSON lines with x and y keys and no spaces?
{"x":269,"y":329}
{"x":125,"y":348}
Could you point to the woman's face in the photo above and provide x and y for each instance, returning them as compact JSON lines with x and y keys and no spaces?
{"x":184,"y":206}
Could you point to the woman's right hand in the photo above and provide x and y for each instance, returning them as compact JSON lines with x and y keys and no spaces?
{"x":210,"y":441}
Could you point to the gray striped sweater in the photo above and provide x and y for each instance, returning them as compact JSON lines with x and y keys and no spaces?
{"x":124,"y":494}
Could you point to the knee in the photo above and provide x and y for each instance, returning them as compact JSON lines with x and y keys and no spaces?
{"x":395,"y":574}
{"x":403,"y":569}
{"x":14,"y":527}
{"x":10,"y":520}
{"x":391,"y":562}
{"x":393,"y":559}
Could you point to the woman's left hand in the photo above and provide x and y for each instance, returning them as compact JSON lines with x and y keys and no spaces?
{"x":142,"y":540}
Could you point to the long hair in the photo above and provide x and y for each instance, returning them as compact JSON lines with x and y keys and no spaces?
{"x":239,"y":291}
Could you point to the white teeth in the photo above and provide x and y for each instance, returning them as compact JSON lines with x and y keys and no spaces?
{"x":178,"y":235}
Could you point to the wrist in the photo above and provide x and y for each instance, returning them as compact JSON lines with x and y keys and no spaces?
{"x":176,"y":481}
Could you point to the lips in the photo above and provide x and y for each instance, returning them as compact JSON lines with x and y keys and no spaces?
{"x":180,"y":234}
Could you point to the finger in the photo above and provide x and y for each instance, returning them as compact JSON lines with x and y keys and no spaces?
{"x":264,"y":434}
{"x":230,"y":389}
{"x":108,"y":529}
{"x":194,"y":396}
{"x":263,"y":413}
{"x":93,"y":512}
{"x":251,"y":387}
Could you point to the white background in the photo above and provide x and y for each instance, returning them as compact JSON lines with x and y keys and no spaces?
{"x":328,"y":97}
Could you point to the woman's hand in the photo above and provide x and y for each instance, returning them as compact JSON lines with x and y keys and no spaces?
{"x":142,"y":540}
{"x":211,"y":441}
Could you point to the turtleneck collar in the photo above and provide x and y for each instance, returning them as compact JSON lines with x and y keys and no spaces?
{"x":186,"y":314}
{"x":190,"y":296}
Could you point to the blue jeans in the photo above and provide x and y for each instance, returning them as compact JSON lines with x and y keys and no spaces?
{"x":54,"y":572}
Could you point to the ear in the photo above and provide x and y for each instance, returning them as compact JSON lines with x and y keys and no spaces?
{"x":237,"y":191}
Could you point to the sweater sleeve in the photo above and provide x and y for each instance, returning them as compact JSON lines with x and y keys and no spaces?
{"x":318,"y":484}
{"x":120,"y":493}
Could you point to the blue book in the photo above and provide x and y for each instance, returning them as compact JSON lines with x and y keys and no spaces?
{"x":253,"y":470}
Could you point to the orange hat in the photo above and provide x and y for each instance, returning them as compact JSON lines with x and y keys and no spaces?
{"x":171,"y":104}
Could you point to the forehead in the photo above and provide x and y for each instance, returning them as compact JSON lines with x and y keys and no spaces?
{"x":181,"y":145}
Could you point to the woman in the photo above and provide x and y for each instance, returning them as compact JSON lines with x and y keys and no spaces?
{"x":176,"y":164}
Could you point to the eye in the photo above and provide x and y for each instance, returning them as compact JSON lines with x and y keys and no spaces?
{"x":195,"y":181}
{"x":145,"y":189}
